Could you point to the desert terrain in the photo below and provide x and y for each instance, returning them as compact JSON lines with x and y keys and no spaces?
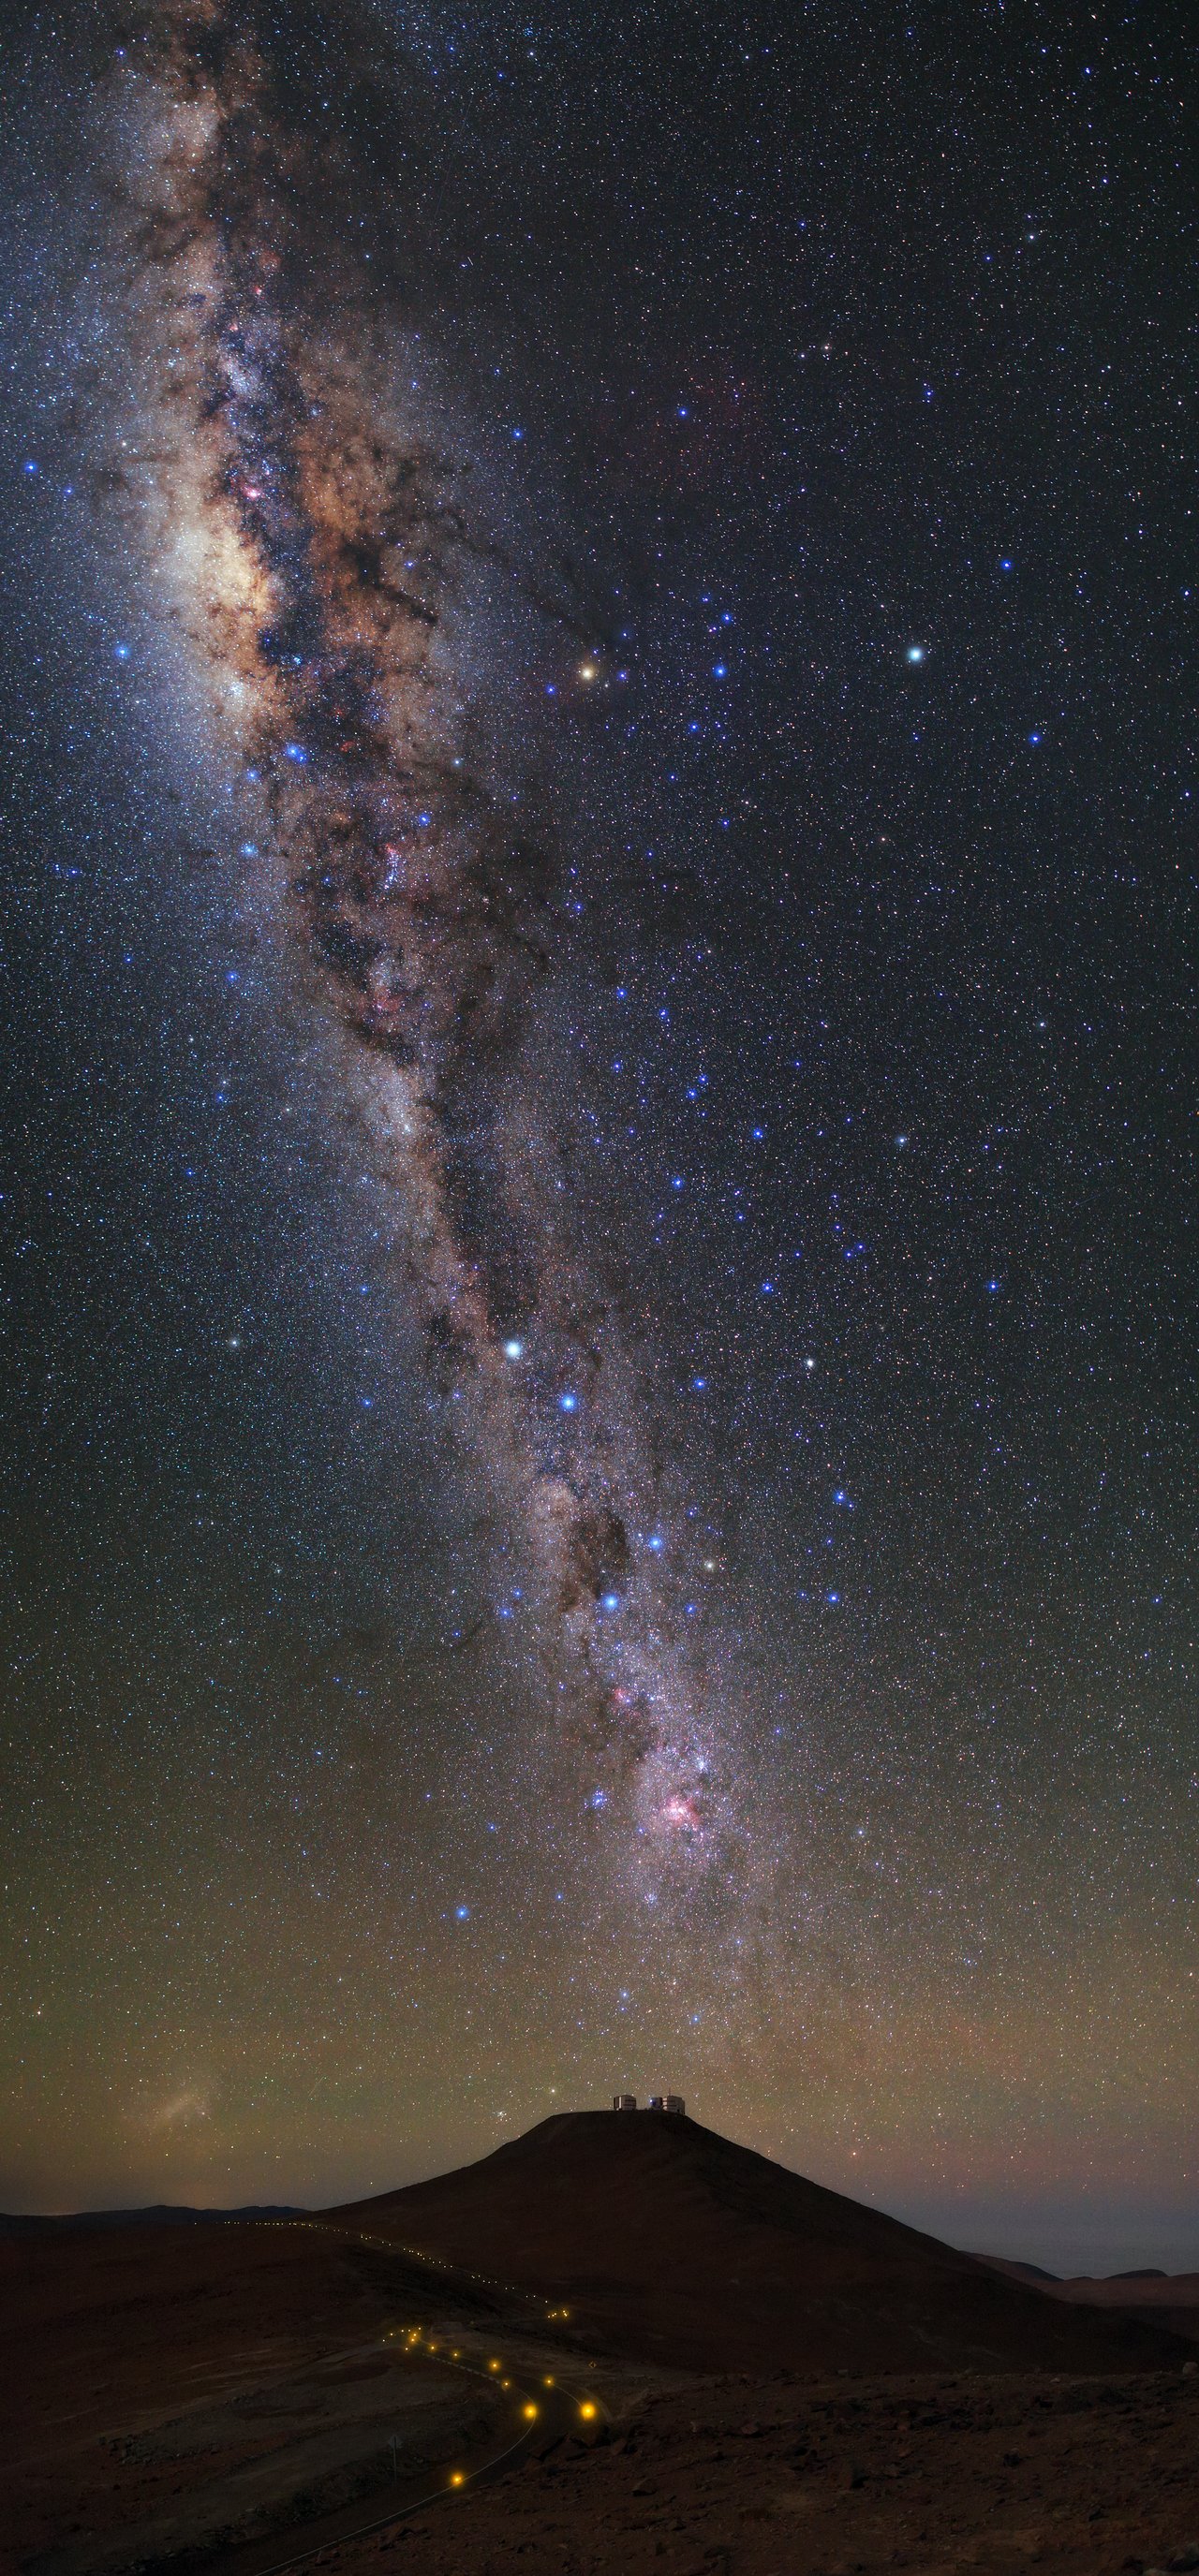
{"x":618,"y":2343}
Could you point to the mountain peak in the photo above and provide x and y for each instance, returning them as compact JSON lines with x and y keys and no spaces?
{"x":666,"y":2239}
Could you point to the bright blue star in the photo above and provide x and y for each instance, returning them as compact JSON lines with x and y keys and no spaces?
{"x":915,"y":652}
{"x":568,"y":1404}
{"x":295,"y":751}
{"x":513,"y":1350}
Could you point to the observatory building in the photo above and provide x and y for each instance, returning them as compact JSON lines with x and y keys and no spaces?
{"x":656,"y":2102}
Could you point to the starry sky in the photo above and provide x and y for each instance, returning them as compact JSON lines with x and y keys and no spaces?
{"x":598,"y":1286}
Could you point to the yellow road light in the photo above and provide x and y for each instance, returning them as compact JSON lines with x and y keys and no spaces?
{"x":529,"y":2411}
{"x":493,"y":2365}
{"x":587,"y":2411}
{"x":547,"y":2383}
{"x":457,"y":2477}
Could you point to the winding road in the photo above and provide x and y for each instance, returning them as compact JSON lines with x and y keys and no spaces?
{"x":536,"y":2410}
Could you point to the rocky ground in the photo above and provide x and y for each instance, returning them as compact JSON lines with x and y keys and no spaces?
{"x":179,"y":2399}
{"x":577,"y":2365}
{"x":780,"y":2478}
{"x":161,"y":2386}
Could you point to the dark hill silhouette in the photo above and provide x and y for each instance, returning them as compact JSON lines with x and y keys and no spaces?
{"x":162,"y":2214}
{"x":1169,"y":2299}
{"x":670,"y":2242}
{"x":1017,"y":2271}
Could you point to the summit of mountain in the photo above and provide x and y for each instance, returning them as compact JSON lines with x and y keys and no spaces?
{"x":667,"y":2241}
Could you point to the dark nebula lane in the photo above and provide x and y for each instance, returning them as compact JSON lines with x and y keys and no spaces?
{"x":319,"y":544}
{"x":596,"y":1426}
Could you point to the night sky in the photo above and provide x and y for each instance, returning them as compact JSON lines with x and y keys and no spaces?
{"x":597,"y":1227}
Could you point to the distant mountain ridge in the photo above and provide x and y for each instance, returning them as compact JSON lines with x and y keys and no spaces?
{"x":1017,"y":2271}
{"x":162,"y":2214}
{"x":1169,"y":2299}
{"x":1036,"y":2272}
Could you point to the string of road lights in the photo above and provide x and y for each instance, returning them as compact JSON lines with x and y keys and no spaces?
{"x":418,"y":2254}
{"x":414,"y":2339}
{"x":589,"y":2412}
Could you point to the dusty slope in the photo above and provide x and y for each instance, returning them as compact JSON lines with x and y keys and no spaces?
{"x":1168,"y":2299}
{"x":1165,"y":2298}
{"x":668,"y":2240}
{"x":940,"y":2476}
{"x":162,"y":2214}
{"x":159,"y":2381}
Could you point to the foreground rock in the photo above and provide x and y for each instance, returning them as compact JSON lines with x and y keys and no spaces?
{"x":935,"y":2474}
